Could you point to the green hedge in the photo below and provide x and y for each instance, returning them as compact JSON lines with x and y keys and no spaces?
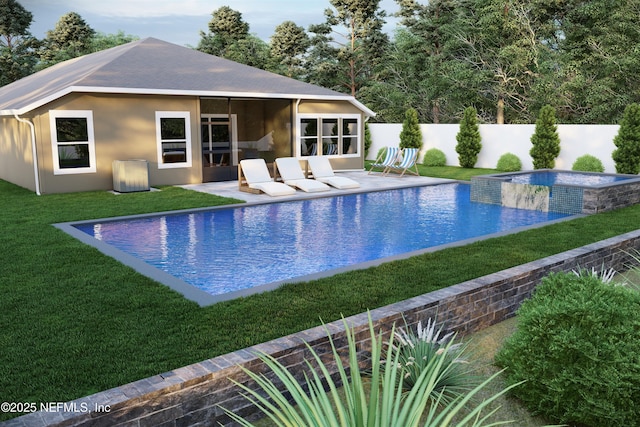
{"x":434,"y":157}
{"x":588,"y":163}
{"x":578,"y":347}
{"x":509,"y":162}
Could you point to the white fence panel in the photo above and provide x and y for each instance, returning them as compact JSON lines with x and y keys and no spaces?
{"x":575,"y":141}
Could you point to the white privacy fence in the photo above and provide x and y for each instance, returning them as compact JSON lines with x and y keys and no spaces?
{"x":575,"y":141}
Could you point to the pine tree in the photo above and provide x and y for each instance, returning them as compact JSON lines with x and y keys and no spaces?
{"x":411,"y":136}
{"x":469,"y":139}
{"x":545,"y":139}
{"x":17,"y":45}
{"x":627,"y":155}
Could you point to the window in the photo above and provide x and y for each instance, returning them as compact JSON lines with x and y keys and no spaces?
{"x":329,"y":135}
{"x":72,"y":140}
{"x":308,"y":137}
{"x":173,"y":132}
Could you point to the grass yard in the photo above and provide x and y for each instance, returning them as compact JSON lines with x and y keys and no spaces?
{"x":75,"y":321}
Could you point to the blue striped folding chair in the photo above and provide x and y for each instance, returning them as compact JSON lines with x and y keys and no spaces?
{"x":385,"y":159}
{"x":407,"y":164}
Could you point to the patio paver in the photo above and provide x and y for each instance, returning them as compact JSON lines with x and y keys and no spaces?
{"x":372,"y":182}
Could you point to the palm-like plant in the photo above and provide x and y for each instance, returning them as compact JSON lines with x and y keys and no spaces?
{"x":380,"y":402}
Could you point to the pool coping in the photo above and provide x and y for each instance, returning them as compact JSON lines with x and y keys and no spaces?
{"x":631,"y":179}
{"x":203,"y":298}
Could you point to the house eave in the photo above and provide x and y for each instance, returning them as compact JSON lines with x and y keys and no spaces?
{"x":177,"y":92}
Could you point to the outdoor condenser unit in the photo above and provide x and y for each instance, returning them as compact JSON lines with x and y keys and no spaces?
{"x":130,"y":175}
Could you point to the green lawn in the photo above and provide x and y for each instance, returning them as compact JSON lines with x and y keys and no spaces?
{"x":75,"y":321}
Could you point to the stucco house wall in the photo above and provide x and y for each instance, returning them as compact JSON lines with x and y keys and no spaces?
{"x":121,"y":89}
{"x":124,"y":129}
{"x":345,"y":162}
{"x":16,"y":154}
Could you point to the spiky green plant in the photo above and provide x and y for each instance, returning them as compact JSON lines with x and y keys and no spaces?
{"x":375,"y":400}
{"x":631,"y":278}
{"x":418,"y":349}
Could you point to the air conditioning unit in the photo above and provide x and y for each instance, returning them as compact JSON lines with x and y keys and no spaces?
{"x":130,"y":175}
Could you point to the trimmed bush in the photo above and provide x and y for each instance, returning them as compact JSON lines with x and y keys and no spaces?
{"x":627,"y":155}
{"x":411,"y":136}
{"x":588,"y":163}
{"x":577,"y":345}
{"x":509,"y":162}
{"x":367,"y":139}
{"x":469,"y":139}
{"x":545,"y":139}
{"x":434,"y":157}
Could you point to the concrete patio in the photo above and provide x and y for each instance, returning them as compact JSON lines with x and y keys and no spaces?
{"x":368,"y":182}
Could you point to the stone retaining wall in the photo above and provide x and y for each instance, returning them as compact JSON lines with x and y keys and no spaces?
{"x":596,"y":200}
{"x":192,"y":395}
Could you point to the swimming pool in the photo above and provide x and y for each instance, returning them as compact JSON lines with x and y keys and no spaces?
{"x":551,"y":178}
{"x":230,"y":252}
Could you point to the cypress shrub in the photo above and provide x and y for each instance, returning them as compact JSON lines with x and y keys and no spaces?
{"x":545,"y":140}
{"x":577,"y":345}
{"x":588,"y":163}
{"x":367,"y":139}
{"x":509,"y":162}
{"x":469,"y":139}
{"x":627,"y":155}
{"x":411,"y":136}
{"x":434,"y":157}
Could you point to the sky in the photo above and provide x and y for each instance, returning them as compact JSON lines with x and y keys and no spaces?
{"x":180,"y":21}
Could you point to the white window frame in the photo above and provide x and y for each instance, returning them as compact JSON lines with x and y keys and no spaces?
{"x":320,"y":136}
{"x":79,"y":114}
{"x":186,"y":115}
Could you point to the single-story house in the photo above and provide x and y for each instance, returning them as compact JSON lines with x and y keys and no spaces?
{"x":191,"y":116}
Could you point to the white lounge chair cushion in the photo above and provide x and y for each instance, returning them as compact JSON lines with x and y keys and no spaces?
{"x":273,"y":188}
{"x":291,"y":173}
{"x":323,"y":172}
{"x":307,"y":185}
{"x":339,"y":182}
{"x":255,"y":170}
{"x":257,"y":175}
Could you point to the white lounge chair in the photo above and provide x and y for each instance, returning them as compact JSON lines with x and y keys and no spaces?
{"x":291,"y":173}
{"x":254,"y":177}
{"x":323,"y":172}
{"x":407,"y":163}
{"x":390,"y":156}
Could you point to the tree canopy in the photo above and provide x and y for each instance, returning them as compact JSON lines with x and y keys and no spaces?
{"x":507,"y":58}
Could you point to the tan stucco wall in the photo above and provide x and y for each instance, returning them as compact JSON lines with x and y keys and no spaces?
{"x":16,"y":154}
{"x":338,"y":107}
{"x":124,"y":129}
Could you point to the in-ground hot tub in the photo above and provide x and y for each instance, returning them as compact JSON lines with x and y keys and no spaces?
{"x":552,"y":190}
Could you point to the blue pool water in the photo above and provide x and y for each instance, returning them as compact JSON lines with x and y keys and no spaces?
{"x":230,"y":249}
{"x":565,"y":178}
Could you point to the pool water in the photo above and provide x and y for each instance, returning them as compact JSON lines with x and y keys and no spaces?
{"x":565,"y":178}
{"x":230,"y":249}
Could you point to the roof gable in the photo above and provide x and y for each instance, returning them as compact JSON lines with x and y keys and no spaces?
{"x":153,"y":66}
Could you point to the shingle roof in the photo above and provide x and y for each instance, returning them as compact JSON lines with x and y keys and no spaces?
{"x":152,"y":66}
